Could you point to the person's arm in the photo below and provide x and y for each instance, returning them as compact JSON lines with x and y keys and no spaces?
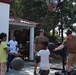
{"x":8,"y":44}
{"x":36,"y":40}
{"x":35,"y":43}
{"x":38,"y":57}
{"x":59,"y":47}
{"x":8,"y":52}
{"x":17,"y":44}
{"x":4,"y":46}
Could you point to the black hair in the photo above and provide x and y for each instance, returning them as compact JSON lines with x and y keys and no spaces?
{"x":2,"y":35}
{"x":45,"y":43}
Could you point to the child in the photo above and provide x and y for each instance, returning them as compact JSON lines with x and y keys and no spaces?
{"x":3,"y":51}
{"x":43,"y":59}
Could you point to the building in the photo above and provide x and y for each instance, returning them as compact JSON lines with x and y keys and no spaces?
{"x":10,"y":24}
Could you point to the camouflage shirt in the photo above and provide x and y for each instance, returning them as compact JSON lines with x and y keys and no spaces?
{"x":38,"y":41}
{"x":70,"y":44}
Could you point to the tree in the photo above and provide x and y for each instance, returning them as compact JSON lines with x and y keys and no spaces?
{"x":15,"y":6}
{"x":37,"y":11}
{"x":69,"y":13}
{"x":34,"y":10}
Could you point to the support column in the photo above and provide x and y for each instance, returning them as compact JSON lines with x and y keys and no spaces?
{"x":4,"y":18}
{"x":11,"y":33}
{"x":31,"y":53}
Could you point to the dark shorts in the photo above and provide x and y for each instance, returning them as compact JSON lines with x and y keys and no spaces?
{"x":36,"y":59}
{"x":44,"y":72}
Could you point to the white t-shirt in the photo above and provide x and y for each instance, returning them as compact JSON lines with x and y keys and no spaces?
{"x":13,"y":46}
{"x":44,"y":56}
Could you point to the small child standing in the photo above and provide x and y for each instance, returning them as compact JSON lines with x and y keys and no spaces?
{"x":3,"y":51}
{"x":43,"y":59}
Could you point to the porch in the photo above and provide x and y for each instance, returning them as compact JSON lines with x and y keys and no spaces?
{"x":18,"y":23}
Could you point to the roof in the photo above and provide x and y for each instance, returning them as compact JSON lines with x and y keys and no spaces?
{"x":6,"y":1}
{"x":15,"y":19}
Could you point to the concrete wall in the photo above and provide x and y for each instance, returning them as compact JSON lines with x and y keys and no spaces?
{"x":4,"y":18}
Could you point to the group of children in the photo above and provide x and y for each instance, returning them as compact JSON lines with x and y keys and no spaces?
{"x":42,"y":55}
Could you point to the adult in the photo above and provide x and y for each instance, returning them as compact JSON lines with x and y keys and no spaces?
{"x":70,"y":43}
{"x":38,"y":40}
{"x":13,"y":44}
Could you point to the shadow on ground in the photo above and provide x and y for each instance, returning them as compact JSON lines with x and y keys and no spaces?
{"x":29,"y":68}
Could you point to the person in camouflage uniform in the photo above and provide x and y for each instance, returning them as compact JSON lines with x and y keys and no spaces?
{"x":37,"y":42}
{"x":70,"y":43}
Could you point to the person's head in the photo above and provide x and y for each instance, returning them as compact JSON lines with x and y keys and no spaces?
{"x":44,"y":45}
{"x":41,"y":32}
{"x":3,"y":37}
{"x":69,"y":33}
{"x":13,"y":37}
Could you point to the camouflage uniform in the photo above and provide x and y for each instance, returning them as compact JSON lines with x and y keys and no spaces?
{"x":38,"y":41}
{"x":71,"y":48}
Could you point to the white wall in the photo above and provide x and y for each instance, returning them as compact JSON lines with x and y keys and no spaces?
{"x":4,"y":18}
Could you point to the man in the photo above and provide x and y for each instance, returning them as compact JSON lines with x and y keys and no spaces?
{"x":13,"y":44}
{"x":70,"y":43}
{"x":38,"y":40}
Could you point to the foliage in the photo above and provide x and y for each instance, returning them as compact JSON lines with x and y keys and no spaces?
{"x":69,"y":13}
{"x":37,"y":11}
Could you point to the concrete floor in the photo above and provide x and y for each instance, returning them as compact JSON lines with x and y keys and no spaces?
{"x":29,"y":68}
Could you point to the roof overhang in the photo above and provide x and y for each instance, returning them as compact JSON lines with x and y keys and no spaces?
{"x":18,"y":23}
{"x":6,"y":1}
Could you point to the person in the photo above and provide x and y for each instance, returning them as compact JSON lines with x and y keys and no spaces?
{"x":13,"y":44}
{"x":70,"y":43}
{"x":43,"y":59}
{"x":38,"y":40}
{"x":3,"y":51}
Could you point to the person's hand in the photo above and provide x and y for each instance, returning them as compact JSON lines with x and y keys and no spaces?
{"x":17,"y":55}
{"x":21,"y":55}
{"x":55,"y":49}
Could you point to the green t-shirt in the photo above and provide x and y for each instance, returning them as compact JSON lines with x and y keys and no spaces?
{"x":3,"y":52}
